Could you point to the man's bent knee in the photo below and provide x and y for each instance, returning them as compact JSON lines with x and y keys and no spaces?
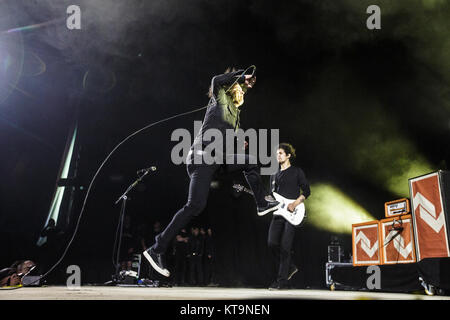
{"x":194,"y":209}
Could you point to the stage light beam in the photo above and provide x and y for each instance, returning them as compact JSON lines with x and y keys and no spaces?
{"x":330,"y":209}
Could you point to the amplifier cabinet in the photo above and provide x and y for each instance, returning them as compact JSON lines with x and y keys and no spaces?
{"x":430,"y":201}
{"x":397,"y":240}
{"x":365,"y":243}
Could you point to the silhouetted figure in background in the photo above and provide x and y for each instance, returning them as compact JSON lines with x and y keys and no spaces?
{"x":209,"y":259}
{"x":128,"y":244}
{"x":142,"y":234}
{"x":143,"y":241}
{"x":152,"y":274}
{"x":156,"y":229}
{"x":202,"y":232}
{"x":195,"y":257}
{"x":146,"y":237}
{"x":180,"y":257}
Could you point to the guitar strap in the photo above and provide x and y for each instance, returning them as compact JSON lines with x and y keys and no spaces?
{"x":273,"y":181}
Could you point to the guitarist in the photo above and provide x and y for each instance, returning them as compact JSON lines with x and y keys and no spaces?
{"x":289,"y":182}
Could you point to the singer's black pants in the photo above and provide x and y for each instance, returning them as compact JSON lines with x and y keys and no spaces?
{"x":281,"y":236}
{"x":201,"y":176}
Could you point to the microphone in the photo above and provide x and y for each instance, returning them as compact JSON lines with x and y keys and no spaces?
{"x":146,"y":170}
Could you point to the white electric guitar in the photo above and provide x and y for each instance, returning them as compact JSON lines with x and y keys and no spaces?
{"x":295,"y":218}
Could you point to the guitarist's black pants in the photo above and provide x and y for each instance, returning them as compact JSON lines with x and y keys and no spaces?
{"x":201,"y":176}
{"x":281,"y":236}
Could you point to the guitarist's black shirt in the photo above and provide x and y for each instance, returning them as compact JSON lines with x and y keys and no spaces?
{"x":289,"y":182}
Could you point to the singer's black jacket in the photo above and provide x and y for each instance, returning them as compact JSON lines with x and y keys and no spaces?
{"x":221,"y":113}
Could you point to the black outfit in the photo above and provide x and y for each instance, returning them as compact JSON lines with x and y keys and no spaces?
{"x":221,"y":114}
{"x":208,"y":260}
{"x":196,"y":248}
{"x":288,"y":184}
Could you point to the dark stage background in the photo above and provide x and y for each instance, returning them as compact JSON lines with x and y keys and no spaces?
{"x":361,"y":106}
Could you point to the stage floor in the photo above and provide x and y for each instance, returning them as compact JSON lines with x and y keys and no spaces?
{"x":196,"y":293}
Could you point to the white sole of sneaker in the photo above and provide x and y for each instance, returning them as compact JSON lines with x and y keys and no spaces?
{"x":262,"y":213}
{"x":164,"y":272}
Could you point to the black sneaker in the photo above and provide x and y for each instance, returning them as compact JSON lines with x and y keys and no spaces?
{"x":279,"y":285}
{"x":292,"y":270}
{"x":271,"y":206}
{"x":274,"y":286}
{"x":156,"y":261}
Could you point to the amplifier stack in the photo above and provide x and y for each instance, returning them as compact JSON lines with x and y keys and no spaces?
{"x":409,"y":232}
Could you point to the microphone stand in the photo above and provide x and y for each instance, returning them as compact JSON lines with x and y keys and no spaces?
{"x":124,"y":197}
